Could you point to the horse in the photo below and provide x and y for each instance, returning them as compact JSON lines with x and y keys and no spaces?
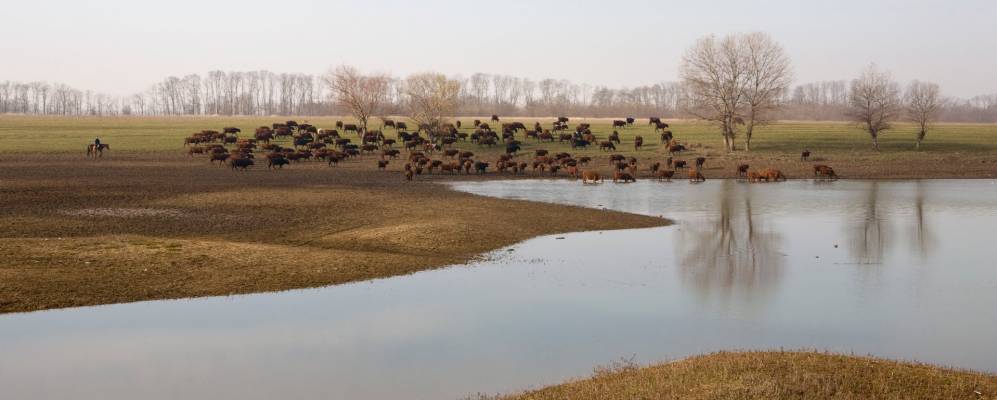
{"x":94,"y":150}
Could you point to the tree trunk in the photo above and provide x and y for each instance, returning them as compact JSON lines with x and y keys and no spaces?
{"x":875,"y":141}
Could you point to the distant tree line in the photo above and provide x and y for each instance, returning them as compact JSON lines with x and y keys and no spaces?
{"x":266,"y":93}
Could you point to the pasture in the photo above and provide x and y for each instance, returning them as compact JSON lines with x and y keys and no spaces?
{"x":950,"y":150}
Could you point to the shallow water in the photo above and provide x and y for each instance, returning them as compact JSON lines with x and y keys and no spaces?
{"x":895,"y":269}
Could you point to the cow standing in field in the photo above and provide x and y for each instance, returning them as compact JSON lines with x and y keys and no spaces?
{"x":638,"y":142}
{"x":805,"y":155}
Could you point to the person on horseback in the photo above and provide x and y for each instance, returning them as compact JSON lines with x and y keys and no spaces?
{"x":96,"y":142}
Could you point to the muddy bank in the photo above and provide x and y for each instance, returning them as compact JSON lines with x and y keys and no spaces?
{"x":77,"y":233}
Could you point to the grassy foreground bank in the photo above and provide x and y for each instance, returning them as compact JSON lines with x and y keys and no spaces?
{"x":774,"y":375}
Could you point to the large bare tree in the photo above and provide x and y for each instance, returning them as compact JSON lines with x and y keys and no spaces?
{"x":874,"y":102}
{"x":922,"y":102}
{"x":430,"y":98}
{"x":733,"y":81}
{"x":362,"y":94}
{"x":769,"y":77}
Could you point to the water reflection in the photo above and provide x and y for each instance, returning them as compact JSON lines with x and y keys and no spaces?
{"x":730,"y":250}
{"x":922,"y":239}
{"x":746,"y":267}
{"x":868,"y":235}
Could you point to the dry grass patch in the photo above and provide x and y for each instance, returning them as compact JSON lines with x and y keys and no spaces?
{"x":775,"y":375}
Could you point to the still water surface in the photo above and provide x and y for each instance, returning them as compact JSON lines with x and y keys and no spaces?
{"x":895,"y":269}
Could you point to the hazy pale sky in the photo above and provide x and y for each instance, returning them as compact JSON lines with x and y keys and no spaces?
{"x":124,"y":46}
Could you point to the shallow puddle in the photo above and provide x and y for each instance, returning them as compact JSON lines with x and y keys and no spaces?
{"x":896,"y":269}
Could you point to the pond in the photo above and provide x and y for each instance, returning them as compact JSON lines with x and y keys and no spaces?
{"x":895,"y":269}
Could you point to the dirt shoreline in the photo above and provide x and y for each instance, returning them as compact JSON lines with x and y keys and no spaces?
{"x":145,"y":228}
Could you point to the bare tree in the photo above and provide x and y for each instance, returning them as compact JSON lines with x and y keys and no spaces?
{"x":362,"y":94}
{"x":769,"y":77}
{"x":874,"y":102}
{"x":430,"y":98}
{"x":923,"y":102}
{"x":715,"y":75}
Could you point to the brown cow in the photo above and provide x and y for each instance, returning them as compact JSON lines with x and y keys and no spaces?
{"x":805,"y":155}
{"x":665,"y":175}
{"x":638,"y":142}
{"x":623,"y":176}
{"x":695,"y":176}
{"x":700,"y":161}
{"x":755,"y":177}
{"x":772,"y":175}
{"x":382,"y":164}
{"x":825,"y":171}
{"x":590,"y":177}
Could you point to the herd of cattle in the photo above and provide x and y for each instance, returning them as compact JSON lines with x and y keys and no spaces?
{"x":303,"y":142}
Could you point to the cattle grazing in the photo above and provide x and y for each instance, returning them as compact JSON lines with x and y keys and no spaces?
{"x":481,"y":167}
{"x":390,"y":153}
{"x":339,"y":124}
{"x":580,"y":143}
{"x":242,"y":163}
{"x":278,"y":162}
{"x":623,"y":177}
{"x":607,"y":145}
{"x":653,"y":120}
{"x":351,"y":127}
{"x":401,"y":126}
{"x":742,"y":170}
{"x":540,"y":152}
{"x":369,"y":148}
{"x":630,"y":121}
{"x":666,"y":136}
{"x":754,"y":176}
{"x":220,"y":157}
{"x":386,"y":123}
{"x":615,"y":137}
{"x":231,"y":129}
{"x":638,"y":142}
{"x":619,"y":124}
{"x":772,"y":175}
{"x":825,"y":171}
{"x":653,"y":168}
{"x":665,"y":175}
{"x":495,"y":118}
{"x":695,"y":176}
{"x":584,"y":160}
{"x":408,"y":173}
{"x":700,"y":161}
{"x":679,"y":164}
{"x":615,"y":158}
{"x":590,"y":177}
{"x":675,"y":148}
{"x":805,"y":155}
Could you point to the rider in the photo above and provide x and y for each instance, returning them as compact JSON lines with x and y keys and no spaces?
{"x":96,"y":142}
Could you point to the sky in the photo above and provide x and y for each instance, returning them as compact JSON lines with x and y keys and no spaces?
{"x":124,"y":46}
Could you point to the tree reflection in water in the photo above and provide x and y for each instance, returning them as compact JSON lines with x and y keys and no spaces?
{"x":730,"y":255}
